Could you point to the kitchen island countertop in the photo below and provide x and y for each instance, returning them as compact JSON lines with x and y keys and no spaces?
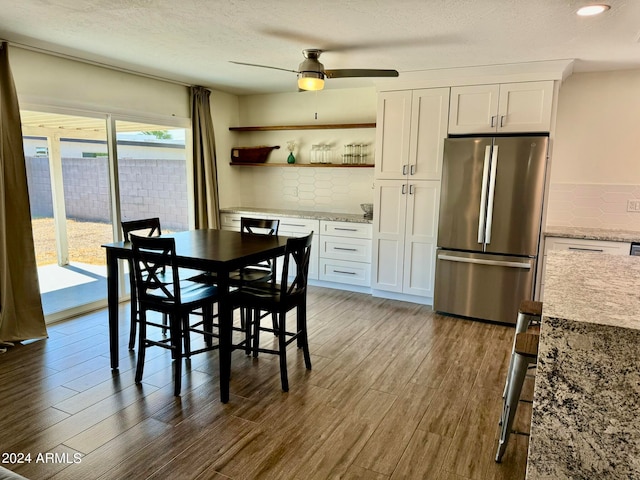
{"x":591,"y":233}
{"x":586,"y":412}
{"x":329,"y":216}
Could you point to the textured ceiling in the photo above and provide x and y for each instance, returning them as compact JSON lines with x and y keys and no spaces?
{"x":192,"y":41}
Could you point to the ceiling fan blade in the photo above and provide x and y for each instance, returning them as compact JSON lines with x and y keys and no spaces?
{"x":305,"y":38}
{"x":360,"y":72}
{"x":263,"y":66}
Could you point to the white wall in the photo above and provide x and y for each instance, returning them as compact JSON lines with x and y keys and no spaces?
{"x":315,"y":189}
{"x":596,"y":154}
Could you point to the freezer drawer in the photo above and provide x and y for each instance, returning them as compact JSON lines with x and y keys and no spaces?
{"x":488,"y":287}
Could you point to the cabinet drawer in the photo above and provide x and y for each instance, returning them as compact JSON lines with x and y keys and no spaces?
{"x":230,"y":221}
{"x":346,"y":229}
{"x":340,"y":271}
{"x":289,"y":226}
{"x":596,"y":246}
{"x":341,"y":248}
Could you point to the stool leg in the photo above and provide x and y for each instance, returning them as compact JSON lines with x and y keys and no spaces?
{"x":520,"y":364}
{"x":522,"y":324}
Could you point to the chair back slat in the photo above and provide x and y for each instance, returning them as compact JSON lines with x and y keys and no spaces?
{"x":297,"y":253}
{"x":149,"y":227}
{"x":153,"y":257}
{"x":261,"y":226}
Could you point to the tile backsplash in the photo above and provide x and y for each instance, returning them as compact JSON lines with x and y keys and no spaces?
{"x":590,"y":205}
{"x":325,"y":189}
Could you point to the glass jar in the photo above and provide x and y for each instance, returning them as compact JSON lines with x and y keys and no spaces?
{"x":315,"y":154}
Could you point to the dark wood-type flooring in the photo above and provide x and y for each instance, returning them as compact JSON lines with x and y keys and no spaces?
{"x":396,"y":392}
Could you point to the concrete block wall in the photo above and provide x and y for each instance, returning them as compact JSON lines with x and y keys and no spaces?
{"x":148,"y":188}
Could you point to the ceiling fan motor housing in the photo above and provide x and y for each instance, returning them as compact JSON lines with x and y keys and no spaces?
{"x":311,"y":64}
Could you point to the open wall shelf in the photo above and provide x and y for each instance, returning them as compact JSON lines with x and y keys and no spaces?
{"x":334,"y":126}
{"x":313,"y":165}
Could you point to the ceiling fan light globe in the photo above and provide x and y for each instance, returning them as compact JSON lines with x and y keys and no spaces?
{"x":310,"y":81}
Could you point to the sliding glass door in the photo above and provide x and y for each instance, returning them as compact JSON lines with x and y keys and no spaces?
{"x":71,"y":195}
{"x":152,"y":175}
{"x":68,"y":178}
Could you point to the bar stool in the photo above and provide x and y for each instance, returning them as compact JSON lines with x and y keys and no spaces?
{"x":529,"y":315}
{"x":525,"y":353}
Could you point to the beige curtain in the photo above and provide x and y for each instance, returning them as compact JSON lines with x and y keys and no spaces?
{"x":204,"y":161}
{"x":21,"y":316}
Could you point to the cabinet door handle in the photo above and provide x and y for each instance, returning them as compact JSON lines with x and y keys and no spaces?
{"x":404,"y":188}
{"x":346,"y":273}
{"x":292,"y":225}
{"x":346,"y":249}
{"x":411,"y":189}
{"x":342,"y":229}
{"x":599,"y":250}
{"x":412,"y":170}
{"x":502,"y":120}
{"x":404,"y":169}
{"x":493,"y":118}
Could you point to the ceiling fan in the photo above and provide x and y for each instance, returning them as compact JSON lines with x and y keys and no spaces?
{"x":311,"y":73}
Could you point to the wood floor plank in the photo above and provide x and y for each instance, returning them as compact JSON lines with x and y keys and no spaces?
{"x":475,"y":440}
{"x":343,"y":445}
{"x":49,"y":438}
{"x":358,"y":473}
{"x":283,"y":443}
{"x":445,"y":410}
{"x":123,"y":448}
{"x":230,"y":434}
{"x":154,"y":405}
{"x":389,"y":441}
{"x":433,"y":370}
{"x":423,"y":457}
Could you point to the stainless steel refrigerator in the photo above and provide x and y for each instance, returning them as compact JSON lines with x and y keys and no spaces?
{"x":489,"y":225}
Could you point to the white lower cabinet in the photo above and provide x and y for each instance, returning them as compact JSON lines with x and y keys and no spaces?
{"x":581,"y":245}
{"x":299,"y":227}
{"x":345,"y":253}
{"x":405,"y":235}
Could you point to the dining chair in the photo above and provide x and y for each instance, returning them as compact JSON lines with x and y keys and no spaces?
{"x":150,"y":227}
{"x":279,"y":299}
{"x":260,"y":272}
{"x":160,"y":289}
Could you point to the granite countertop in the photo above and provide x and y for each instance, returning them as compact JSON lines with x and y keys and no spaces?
{"x":330,"y":216}
{"x":587,"y":233}
{"x":586,"y":411}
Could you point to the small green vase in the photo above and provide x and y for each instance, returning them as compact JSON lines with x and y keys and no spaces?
{"x":291,"y":158}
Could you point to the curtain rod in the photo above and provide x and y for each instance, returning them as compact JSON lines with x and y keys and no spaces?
{"x":94,"y":63}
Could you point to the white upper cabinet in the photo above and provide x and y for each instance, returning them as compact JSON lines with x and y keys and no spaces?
{"x":410,"y":133}
{"x":501,"y":108}
{"x":393,"y":130}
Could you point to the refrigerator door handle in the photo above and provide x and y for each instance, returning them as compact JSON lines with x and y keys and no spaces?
{"x":483,"y":194}
{"x":492,"y":193}
{"x":478,"y":261}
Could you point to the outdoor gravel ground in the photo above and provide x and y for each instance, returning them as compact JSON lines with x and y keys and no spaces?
{"x":85,"y":239}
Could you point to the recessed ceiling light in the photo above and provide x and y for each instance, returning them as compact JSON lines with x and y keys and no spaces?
{"x":589,"y":10}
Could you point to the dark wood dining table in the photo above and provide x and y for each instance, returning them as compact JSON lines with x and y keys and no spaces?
{"x":216,"y":251}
